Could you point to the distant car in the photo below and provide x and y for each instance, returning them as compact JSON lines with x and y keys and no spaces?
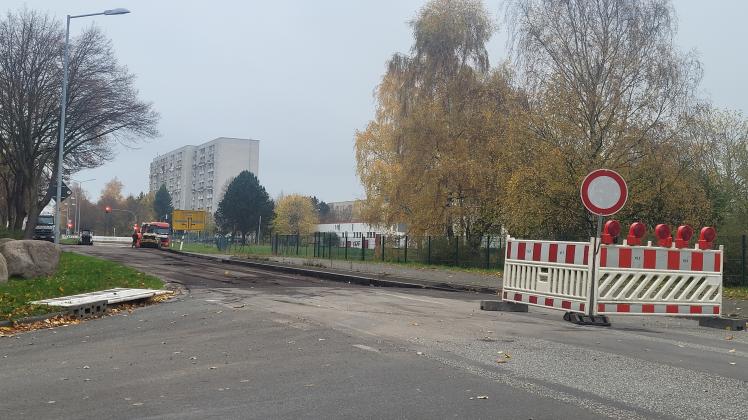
{"x":85,"y":237}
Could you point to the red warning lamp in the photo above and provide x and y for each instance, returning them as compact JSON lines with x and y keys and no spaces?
{"x":108,"y":209}
{"x":707,"y":237}
{"x":662,"y":232}
{"x":611,"y":230}
{"x":683,"y":236}
{"x":70,"y":225}
{"x":636,"y":233}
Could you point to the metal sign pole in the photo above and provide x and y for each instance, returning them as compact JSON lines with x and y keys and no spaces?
{"x":596,"y":244}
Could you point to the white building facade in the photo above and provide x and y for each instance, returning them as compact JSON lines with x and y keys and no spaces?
{"x":347,"y":225}
{"x":196,"y":176}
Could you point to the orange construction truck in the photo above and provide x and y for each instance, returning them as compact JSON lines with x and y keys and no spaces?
{"x":155,"y":235}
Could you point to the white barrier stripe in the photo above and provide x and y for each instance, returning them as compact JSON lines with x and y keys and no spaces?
{"x":637,"y":257}
{"x":661,"y":261}
{"x":709,"y":262}
{"x":685,"y":260}
{"x":528,"y":251}
{"x":579,"y":255}
{"x":544,"y":251}
{"x":514,"y":247}
{"x":612,"y":260}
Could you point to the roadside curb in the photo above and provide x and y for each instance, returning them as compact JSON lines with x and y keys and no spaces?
{"x":344,"y":277}
{"x":32,"y":319}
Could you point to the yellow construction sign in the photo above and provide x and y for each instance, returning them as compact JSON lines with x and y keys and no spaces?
{"x":188,"y":220}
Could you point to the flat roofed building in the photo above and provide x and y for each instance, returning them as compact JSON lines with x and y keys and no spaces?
{"x":196,"y":176}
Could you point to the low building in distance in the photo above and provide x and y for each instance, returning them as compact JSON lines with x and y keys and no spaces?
{"x":344,"y":220}
{"x":196,"y":176}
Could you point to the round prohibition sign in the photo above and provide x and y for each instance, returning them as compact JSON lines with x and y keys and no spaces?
{"x":604,"y":192}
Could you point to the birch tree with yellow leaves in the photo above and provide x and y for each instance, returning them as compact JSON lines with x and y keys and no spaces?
{"x":429,"y":158}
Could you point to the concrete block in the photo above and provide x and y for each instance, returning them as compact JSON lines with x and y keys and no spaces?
{"x":88,"y":310}
{"x":500,"y":305}
{"x":732,"y":324}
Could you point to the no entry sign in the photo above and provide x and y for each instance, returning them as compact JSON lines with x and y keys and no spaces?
{"x":604,"y":192}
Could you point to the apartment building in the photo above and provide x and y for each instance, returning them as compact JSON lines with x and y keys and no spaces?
{"x":196,"y":176}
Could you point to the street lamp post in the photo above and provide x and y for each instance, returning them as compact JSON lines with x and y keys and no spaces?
{"x":78,"y":203}
{"x":63,"y":100}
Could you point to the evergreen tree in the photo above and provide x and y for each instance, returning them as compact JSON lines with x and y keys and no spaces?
{"x":162,"y":204}
{"x":245,"y":206}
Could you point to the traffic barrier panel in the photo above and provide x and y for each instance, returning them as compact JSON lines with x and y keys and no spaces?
{"x":629,"y":280}
{"x":645,"y":280}
{"x":550,"y":274}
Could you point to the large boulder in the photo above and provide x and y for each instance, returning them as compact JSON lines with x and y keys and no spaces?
{"x":3,"y":269}
{"x":30,"y":259}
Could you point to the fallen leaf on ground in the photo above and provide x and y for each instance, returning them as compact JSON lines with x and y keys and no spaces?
{"x":731,"y":351}
{"x":482,"y":397}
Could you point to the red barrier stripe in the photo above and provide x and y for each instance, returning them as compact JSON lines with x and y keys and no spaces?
{"x":509,"y":249}
{"x":624,"y":257}
{"x":581,"y":307}
{"x":586,"y":255}
{"x":603,"y":257}
{"x":521,"y":251}
{"x":552,"y":252}
{"x":623,"y":307}
{"x":601,"y":307}
{"x":671,"y":309}
{"x":697,"y":261}
{"x":518,"y":296}
{"x":673,"y":260}
{"x":715,"y":310}
{"x":650,"y":259}
{"x":570,"y":254}
{"x":717,"y":262}
{"x":505,"y":295}
{"x":548,"y":302}
{"x":536,"y":251}
{"x":648,"y":308}
{"x":695,"y":309}
{"x":566,"y":304}
{"x":534,"y":299}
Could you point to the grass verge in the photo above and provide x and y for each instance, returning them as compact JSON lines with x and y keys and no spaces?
{"x":735,"y":292}
{"x":76,"y":274}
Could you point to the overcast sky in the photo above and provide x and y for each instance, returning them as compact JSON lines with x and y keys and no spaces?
{"x":299,"y":75}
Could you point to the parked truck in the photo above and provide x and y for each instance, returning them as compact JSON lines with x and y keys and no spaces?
{"x":45,"y":228}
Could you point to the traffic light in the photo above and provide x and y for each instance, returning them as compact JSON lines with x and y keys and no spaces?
{"x":108,"y":209}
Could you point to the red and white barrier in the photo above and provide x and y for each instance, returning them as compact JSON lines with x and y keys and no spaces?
{"x":629,"y":280}
{"x":550,"y":274}
{"x":645,"y":280}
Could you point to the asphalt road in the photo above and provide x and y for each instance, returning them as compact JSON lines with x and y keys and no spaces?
{"x":245,"y":343}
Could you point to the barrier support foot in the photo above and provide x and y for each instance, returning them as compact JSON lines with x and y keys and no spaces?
{"x":499,"y":305}
{"x":582,"y":319}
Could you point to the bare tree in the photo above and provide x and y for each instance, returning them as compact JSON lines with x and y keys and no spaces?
{"x":102,"y":108}
{"x":615,"y":59}
{"x":606,"y":85}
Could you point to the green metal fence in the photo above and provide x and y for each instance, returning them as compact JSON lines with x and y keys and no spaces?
{"x":486,"y":252}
